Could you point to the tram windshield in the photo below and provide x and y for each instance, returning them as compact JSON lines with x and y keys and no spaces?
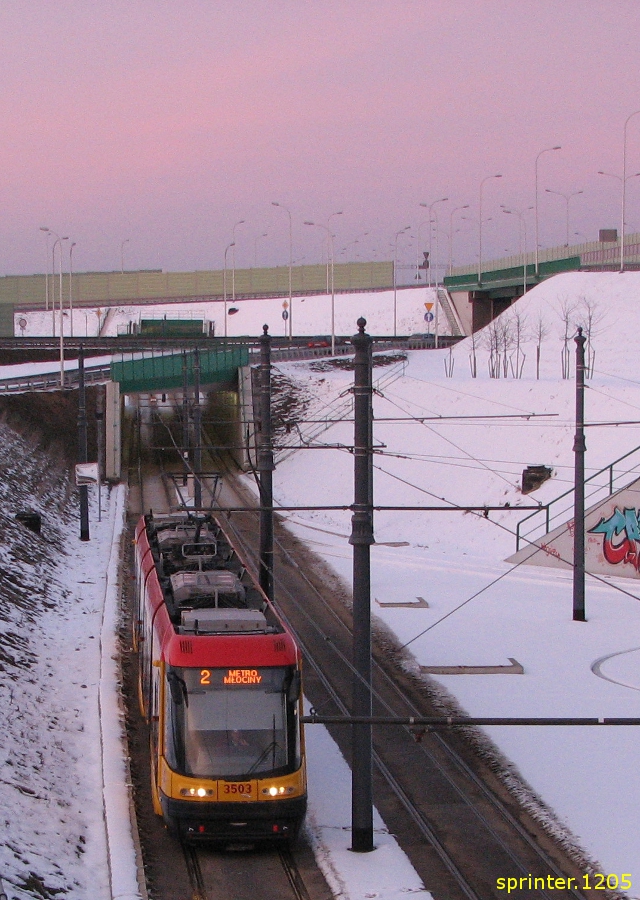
{"x":230,"y":723}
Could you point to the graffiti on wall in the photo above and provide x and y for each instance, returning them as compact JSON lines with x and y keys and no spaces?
{"x":621,"y":537}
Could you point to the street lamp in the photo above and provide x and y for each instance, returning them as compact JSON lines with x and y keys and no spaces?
{"x":71,"y":288}
{"x":418,"y":245}
{"x":624,"y":181}
{"x":122,"y":243}
{"x":255,"y":248}
{"x":329,"y":218}
{"x":624,"y":185}
{"x":46,"y":269}
{"x":523,"y":244}
{"x":288,"y":211}
{"x":233,"y":260}
{"x":546,"y":150}
{"x":333,"y":293}
{"x":224,"y":286}
{"x":395,"y":279}
{"x":488,"y":178}
{"x":566,"y":197}
{"x":58,"y":240}
{"x":430,"y":206}
{"x":451,"y":214}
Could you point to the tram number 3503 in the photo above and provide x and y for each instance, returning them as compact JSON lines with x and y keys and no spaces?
{"x":237,"y":787}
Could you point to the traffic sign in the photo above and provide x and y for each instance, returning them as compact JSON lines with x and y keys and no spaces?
{"x":429,"y":306}
{"x":285,"y":304}
{"x":285,"y":314}
{"x":428,"y":317}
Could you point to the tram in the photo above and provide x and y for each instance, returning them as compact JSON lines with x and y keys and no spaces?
{"x":220,"y":686}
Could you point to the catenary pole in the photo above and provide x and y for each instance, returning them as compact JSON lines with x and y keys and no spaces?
{"x":265,"y":467}
{"x":197,"y":428}
{"x":361,"y":540}
{"x":579,"y":448}
{"x":82,"y":447}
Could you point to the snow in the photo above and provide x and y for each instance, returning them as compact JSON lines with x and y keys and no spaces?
{"x":311,"y":315}
{"x":481,"y":610}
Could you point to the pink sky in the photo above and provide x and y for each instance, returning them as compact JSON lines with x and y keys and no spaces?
{"x":164,"y":123}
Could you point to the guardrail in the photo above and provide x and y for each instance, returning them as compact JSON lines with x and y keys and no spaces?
{"x":50,"y":381}
{"x":598,"y":487}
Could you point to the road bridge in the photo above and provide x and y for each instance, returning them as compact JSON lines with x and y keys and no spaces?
{"x":493,"y":286}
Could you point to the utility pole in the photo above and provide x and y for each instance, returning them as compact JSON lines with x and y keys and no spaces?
{"x":579,"y":448}
{"x":361,"y":540}
{"x":100,"y":442}
{"x":82,"y":447}
{"x":185,"y":419}
{"x":265,"y":467}
{"x":197,"y":427}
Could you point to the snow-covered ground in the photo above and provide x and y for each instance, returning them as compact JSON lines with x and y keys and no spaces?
{"x":311,"y":316}
{"x":481,"y":610}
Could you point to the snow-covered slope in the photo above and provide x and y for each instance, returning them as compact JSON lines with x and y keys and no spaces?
{"x":481,"y":610}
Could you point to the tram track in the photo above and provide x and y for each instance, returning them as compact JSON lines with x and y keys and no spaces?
{"x":208,"y":880}
{"x":493,"y":826}
{"x":486,"y":827}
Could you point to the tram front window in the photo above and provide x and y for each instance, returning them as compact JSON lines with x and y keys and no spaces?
{"x":228,"y":723}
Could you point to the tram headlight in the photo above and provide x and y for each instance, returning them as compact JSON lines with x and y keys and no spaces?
{"x":278,"y":790}
{"x":199,"y":792}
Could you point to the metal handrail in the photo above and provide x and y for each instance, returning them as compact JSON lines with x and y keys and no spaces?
{"x":546,"y":508}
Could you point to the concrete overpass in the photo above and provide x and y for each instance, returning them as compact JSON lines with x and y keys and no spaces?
{"x":479,"y":296}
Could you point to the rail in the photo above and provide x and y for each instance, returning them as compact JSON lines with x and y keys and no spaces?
{"x":594,"y":491}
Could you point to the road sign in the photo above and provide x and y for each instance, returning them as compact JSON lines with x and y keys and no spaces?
{"x":429,"y":306}
{"x":285,"y":304}
{"x":285,"y":314}
{"x":428,"y":317}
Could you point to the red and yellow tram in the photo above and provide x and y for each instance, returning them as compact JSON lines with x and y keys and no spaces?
{"x":219,"y":684}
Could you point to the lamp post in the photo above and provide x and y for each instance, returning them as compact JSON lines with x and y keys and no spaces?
{"x":329,"y":218}
{"x":122,"y":243}
{"x":624,"y":184}
{"x":233,"y":260}
{"x":58,"y":240}
{"x":567,"y":198}
{"x":71,"y":288}
{"x":395,"y":278}
{"x":288,"y":212}
{"x":255,"y":248}
{"x":46,"y":269}
{"x":451,"y":214}
{"x":430,"y":206}
{"x":224,"y":285}
{"x":546,"y":150}
{"x":523,"y":244}
{"x":418,"y":245}
{"x":482,"y":183}
{"x":333,"y":293}
{"x":624,"y":181}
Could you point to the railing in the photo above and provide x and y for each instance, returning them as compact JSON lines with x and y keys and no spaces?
{"x":599,"y":486}
{"x":50,"y":381}
{"x":450,"y":312}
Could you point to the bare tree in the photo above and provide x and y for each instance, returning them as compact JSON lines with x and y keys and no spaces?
{"x":590,"y":315}
{"x":566,"y":313}
{"x":518,"y":327}
{"x":473,"y":359}
{"x":540,"y":332}
{"x":492,"y":341}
